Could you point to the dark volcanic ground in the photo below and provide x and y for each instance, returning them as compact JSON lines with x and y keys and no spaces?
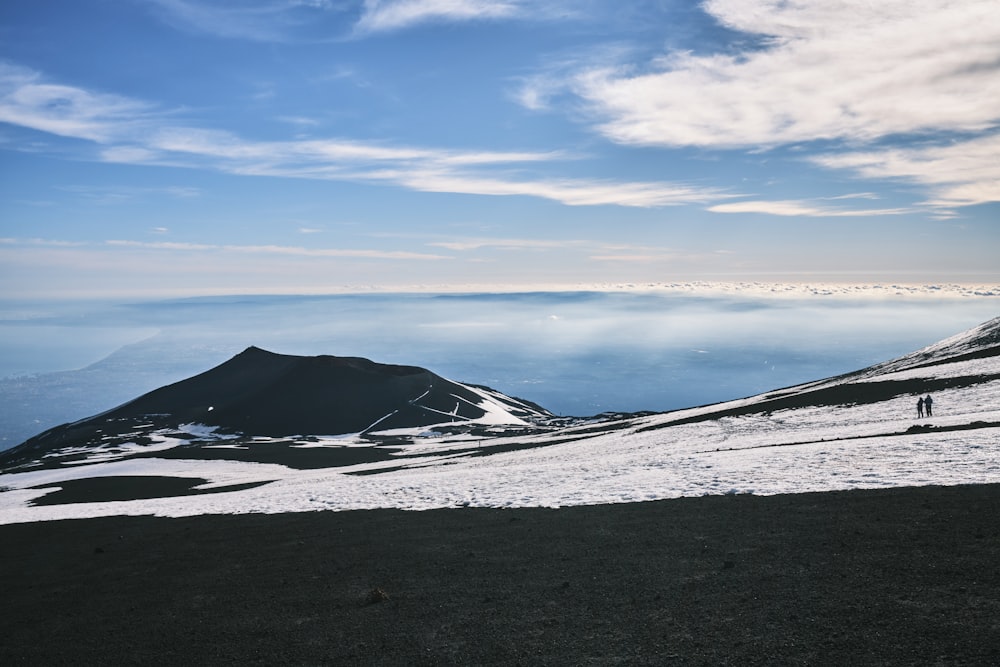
{"x":906,"y":576}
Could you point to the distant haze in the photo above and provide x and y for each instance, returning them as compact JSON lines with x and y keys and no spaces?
{"x":575,"y":353}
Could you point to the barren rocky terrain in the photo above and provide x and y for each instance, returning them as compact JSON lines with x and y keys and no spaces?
{"x":895,"y":576}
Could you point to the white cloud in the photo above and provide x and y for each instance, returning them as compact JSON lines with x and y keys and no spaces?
{"x":796,"y":208}
{"x":855,"y":195}
{"x":961,"y":173}
{"x":28,"y":101}
{"x":388,"y":15}
{"x":160,"y":245}
{"x":277,"y":250}
{"x":572,"y":192}
{"x":41,"y":242}
{"x":535,"y":93}
{"x":822,"y":69}
{"x":554,"y":79}
{"x":595,"y":250}
{"x":504,"y":244}
{"x":128,"y":133}
{"x":286,"y":20}
{"x":640,"y":258}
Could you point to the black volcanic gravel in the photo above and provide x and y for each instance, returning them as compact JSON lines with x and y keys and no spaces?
{"x":905,"y":576}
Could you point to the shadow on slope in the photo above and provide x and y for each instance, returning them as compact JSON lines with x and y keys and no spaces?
{"x":127,"y":487}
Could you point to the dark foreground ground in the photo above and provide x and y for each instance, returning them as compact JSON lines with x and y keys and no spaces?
{"x":906,"y":576}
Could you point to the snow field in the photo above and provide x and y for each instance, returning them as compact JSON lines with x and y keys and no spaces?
{"x":815,"y":448}
{"x":731,"y":455}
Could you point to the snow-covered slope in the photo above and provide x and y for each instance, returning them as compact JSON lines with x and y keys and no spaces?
{"x":853,"y":431}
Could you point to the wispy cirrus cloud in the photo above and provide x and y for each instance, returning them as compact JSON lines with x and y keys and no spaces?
{"x":389,"y":15}
{"x":130,"y":132}
{"x":28,"y":100}
{"x":515,"y":244}
{"x":181,"y":246}
{"x":161,"y":245}
{"x":959,"y":173}
{"x":801,"y":209}
{"x":424,"y":170}
{"x":821,"y":69}
{"x":288,"y":20}
{"x":594,"y":250}
{"x":279,"y":250}
{"x":11,"y":241}
{"x":571,"y":192}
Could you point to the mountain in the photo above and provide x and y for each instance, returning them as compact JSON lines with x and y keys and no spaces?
{"x":265,"y":432}
{"x":260,"y":394}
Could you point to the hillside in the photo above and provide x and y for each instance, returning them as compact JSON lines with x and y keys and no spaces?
{"x":279,"y":438}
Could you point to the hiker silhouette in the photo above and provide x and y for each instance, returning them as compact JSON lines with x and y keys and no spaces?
{"x":920,"y":407}
{"x":928,"y":402}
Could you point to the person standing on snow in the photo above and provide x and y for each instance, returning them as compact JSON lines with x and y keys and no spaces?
{"x":920,"y":407}
{"x":928,"y":402}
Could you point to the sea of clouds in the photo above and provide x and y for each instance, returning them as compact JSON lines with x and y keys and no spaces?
{"x":579,"y":351}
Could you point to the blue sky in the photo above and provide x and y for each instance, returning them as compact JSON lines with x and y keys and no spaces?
{"x":178,"y":147}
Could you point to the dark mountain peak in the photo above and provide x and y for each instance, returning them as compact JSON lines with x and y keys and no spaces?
{"x":262,"y":393}
{"x":254,"y":352}
{"x":268,"y":393}
{"x":261,"y":359}
{"x":366,"y":365}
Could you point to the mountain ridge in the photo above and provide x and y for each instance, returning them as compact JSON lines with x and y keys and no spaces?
{"x":263,"y":393}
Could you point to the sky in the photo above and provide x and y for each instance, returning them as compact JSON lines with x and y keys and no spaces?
{"x":159,"y":148}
